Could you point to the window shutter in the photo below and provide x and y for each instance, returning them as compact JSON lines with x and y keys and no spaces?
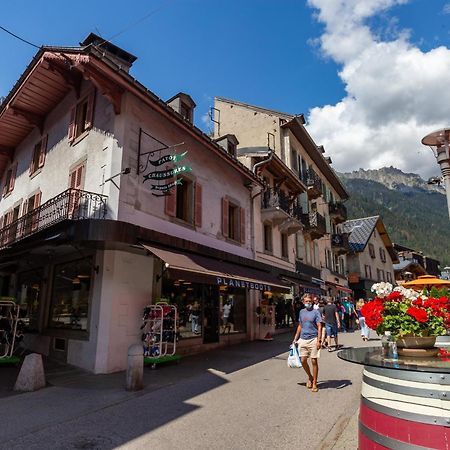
{"x":225,"y":217}
{"x":37,"y":200}
{"x":171,"y":202}
{"x":242,"y":223}
{"x":73,"y":179}
{"x":12,"y":180}
{"x":79,"y":177}
{"x":71,"y":133}
{"x":24,"y":207}
{"x":198,"y":205}
{"x":90,"y":111}
{"x":43,"y":151}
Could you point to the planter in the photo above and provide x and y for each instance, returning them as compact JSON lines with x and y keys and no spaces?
{"x":417,"y":346}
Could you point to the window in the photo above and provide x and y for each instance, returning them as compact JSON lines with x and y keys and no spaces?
{"x":372,"y":251}
{"x":284,"y":246}
{"x":186,"y":111}
{"x":28,"y":297}
{"x":184,"y":203}
{"x":231,"y":148}
{"x":38,"y":157}
{"x":233,"y":221}
{"x":368,"y":272}
{"x":81,"y":117}
{"x":10,"y":179}
{"x":70,"y":295}
{"x":378,"y":275}
{"x":388,"y":277}
{"x":32,"y":220}
{"x":328,"y":259}
{"x":382,"y":255}
{"x":268,"y":237}
{"x":294,"y":160}
{"x":76,"y":182}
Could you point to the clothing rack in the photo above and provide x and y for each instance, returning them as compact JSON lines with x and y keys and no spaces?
{"x":9,"y":319}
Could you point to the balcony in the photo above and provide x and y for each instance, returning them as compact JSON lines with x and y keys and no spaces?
{"x":339,"y":243}
{"x":314,"y":225}
{"x":72,"y":204}
{"x":314,"y":185}
{"x":338,"y":212}
{"x":293,"y":223}
{"x":275,"y":206}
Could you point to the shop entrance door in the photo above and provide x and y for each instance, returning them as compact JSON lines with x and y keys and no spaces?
{"x":211,"y":322}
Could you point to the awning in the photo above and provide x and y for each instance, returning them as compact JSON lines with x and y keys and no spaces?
{"x":203,"y":269}
{"x":339,"y":287}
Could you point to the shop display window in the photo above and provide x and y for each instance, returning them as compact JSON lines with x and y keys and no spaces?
{"x":70,"y":296}
{"x":29,"y":297}
{"x":206,"y":310}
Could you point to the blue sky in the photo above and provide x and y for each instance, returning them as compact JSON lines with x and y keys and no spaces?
{"x":269,"y":53}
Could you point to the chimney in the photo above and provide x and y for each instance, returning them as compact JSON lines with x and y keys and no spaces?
{"x":184,"y":105}
{"x":121,"y":57}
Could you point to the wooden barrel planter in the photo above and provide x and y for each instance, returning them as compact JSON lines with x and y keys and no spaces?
{"x":403,"y":409}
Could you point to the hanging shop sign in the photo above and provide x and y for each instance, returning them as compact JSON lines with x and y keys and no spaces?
{"x":233,"y":282}
{"x":150,"y":154}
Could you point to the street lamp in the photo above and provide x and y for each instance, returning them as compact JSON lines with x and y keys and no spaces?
{"x":438,"y":141}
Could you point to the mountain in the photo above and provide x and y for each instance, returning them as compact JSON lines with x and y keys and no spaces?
{"x":415,"y":213}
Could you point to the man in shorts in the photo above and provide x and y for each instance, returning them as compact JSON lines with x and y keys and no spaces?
{"x":308,"y":330}
{"x":332,"y":323}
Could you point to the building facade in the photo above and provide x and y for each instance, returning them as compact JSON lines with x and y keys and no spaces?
{"x":278,"y":146}
{"x":372,"y":256}
{"x":112,"y":199}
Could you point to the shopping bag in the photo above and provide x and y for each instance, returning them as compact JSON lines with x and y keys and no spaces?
{"x":293,"y":360}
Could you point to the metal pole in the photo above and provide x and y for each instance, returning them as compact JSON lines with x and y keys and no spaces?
{"x":443,"y":159}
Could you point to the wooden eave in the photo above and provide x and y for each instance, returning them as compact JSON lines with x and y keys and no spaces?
{"x":299,"y":131}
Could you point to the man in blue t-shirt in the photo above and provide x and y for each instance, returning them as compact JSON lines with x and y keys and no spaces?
{"x":309,"y":331}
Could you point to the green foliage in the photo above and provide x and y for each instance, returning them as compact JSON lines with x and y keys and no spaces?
{"x":437,"y":293}
{"x":413,"y":217}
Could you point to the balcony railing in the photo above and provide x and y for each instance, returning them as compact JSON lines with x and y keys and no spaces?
{"x":275,"y":198}
{"x":338,"y":211}
{"x":339,"y":243}
{"x":314,"y":224}
{"x":314,"y":184}
{"x":72,"y":204}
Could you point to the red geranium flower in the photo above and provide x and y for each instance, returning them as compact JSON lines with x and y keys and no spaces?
{"x":418,"y":302}
{"x":372,"y":313}
{"x":395,"y":296}
{"x":419,"y":314}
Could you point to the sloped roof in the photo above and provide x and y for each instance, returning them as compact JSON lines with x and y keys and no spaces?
{"x":359,"y":231}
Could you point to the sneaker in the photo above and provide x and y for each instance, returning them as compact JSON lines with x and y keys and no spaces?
{"x":330,"y":349}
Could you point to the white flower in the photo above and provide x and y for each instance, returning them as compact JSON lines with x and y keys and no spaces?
{"x":382,"y":289}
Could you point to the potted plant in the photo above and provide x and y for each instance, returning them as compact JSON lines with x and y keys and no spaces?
{"x":413,"y":319}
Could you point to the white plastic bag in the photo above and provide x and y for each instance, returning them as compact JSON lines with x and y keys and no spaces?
{"x":293,"y":360}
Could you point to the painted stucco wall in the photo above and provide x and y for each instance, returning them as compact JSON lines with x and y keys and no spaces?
{"x":96,"y":148}
{"x":218,"y":178}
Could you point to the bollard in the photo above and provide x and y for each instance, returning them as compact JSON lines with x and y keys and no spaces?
{"x":135,"y":368}
{"x":31,"y":376}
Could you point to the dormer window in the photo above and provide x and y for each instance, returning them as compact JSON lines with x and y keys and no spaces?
{"x":229,"y":143}
{"x":184,"y":105}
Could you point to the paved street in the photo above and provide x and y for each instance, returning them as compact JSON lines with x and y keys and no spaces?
{"x":242,"y":397}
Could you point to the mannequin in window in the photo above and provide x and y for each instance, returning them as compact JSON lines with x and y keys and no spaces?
{"x":226,"y":316}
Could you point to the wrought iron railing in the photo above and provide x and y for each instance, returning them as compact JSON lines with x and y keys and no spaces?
{"x":338,"y":209}
{"x":72,"y":204}
{"x":339,"y":241}
{"x":275,"y":198}
{"x":314,"y":221}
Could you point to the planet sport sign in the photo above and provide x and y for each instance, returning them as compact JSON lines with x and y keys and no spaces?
{"x":233,"y":282}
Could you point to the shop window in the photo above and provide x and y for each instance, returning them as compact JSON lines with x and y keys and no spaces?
{"x":284,"y":245}
{"x":372,"y":251}
{"x":206,"y":310}
{"x":70,"y":295}
{"x":81,"y":117}
{"x":268,"y":247}
{"x":29,"y":297}
{"x":38,"y":157}
{"x":184,"y":201}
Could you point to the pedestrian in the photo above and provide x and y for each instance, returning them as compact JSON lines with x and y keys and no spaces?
{"x":365,"y":330}
{"x":332,"y":323}
{"x":307,"y":336}
{"x":321,"y":310}
{"x":348,"y":311}
{"x":341,"y":310}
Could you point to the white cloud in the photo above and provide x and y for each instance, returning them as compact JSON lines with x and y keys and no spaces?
{"x":446,"y":8}
{"x":395,"y":93}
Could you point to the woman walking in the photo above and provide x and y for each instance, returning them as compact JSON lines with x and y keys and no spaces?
{"x":362,"y":321}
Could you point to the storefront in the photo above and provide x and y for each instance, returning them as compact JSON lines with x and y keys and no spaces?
{"x":337,"y":291}
{"x":218,"y":302}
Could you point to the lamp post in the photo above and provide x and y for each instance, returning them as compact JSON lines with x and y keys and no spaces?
{"x":438,"y":141}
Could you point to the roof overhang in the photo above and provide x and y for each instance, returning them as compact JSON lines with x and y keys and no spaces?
{"x":299,"y":131}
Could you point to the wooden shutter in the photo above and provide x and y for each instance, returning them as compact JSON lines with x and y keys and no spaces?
{"x":37,"y":200}
{"x":90,"y":111}
{"x":171,"y":202}
{"x":242,"y":224}
{"x":43,"y":151}
{"x":198,"y":205}
{"x":12,"y":180}
{"x":225,"y":204}
{"x":71,"y":133}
